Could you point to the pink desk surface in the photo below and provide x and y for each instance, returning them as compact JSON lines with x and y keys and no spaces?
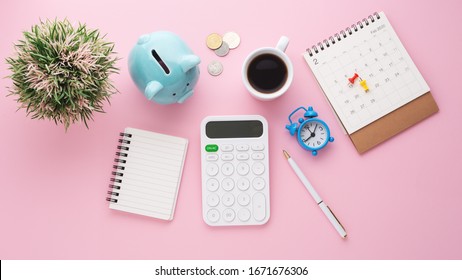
{"x":401,"y":200}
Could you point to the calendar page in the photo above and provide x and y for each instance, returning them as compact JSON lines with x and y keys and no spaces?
{"x":375,"y":59}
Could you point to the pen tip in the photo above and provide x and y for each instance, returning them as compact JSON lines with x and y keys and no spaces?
{"x":286,"y":154}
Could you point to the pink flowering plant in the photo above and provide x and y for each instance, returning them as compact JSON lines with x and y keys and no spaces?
{"x":61,"y":72}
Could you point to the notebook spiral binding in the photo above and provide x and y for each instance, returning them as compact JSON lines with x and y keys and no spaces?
{"x":118,"y":168}
{"x":343,"y":34}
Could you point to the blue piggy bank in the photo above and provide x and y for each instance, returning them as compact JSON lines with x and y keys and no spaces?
{"x":163,"y":67}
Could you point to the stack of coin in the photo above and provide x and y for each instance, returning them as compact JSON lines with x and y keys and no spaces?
{"x":221,"y":45}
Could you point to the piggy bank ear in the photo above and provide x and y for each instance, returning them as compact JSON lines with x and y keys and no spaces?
{"x":187,"y":62}
{"x":153,"y":88}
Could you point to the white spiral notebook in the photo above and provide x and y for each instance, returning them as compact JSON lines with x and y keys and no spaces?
{"x":147,"y":173}
{"x":370,"y":52}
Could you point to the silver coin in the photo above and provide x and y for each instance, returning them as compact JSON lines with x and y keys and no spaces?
{"x":215,"y":68}
{"x":232,"y":39}
{"x":223,"y":50}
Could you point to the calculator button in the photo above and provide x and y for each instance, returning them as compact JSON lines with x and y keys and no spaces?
{"x":227,"y":169}
{"x":227,"y":184}
{"x":213,"y":215}
{"x":229,"y":215}
{"x":227,"y":156}
{"x":211,"y":157}
{"x":243,"y":214}
{"x":258,"y":156}
{"x":211,"y":148}
{"x":212,"y":184}
{"x":213,"y":200}
{"x":212,"y":169}
{"x":258,"y":168}
{"x":242,"y":156}
{"x":242,"y":147}
{"x":259,"y":206}
{"x":243,"y":199}
{"x":258,"y":147}
{"x":243,"y":184}
{"x":227,"y":148}
{"x":227,"y":199}
{"x":243,"y":168}
{"x":258,"y":183}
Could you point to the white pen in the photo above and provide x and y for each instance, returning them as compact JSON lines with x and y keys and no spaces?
{"x":329,"y":214}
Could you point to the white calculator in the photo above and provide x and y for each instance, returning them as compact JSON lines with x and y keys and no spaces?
{"x":235,"y":170}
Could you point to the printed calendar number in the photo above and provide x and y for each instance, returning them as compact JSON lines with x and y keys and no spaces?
{"x":382,"y":63}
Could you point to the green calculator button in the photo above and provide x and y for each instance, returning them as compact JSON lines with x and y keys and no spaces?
{"x":211,"y":148}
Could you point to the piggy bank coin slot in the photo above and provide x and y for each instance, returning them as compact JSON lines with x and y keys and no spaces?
{"x":160,"y":61}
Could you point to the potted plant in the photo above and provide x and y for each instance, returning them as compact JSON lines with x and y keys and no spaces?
{"x":61,"y":72}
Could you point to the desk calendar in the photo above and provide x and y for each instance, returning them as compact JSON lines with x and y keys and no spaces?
{"x":366,"y":74}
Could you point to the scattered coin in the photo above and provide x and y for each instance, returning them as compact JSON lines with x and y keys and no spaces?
{"x":232,"y":39}
{"x":214,"y":41}
{"x":221,"y":45}
{"x":215,"y":68}
{"x":223,"y":50}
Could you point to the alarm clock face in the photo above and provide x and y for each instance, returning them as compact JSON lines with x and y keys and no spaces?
{"x":313,"y":134}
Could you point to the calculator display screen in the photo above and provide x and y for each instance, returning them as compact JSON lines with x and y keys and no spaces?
{"x":234,"y":129}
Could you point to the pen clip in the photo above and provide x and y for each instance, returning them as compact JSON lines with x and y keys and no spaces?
{"x":336,"y":218}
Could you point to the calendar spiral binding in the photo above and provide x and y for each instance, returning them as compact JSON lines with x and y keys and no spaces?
{"x":114,"y":187}
{"x":344,"y":33}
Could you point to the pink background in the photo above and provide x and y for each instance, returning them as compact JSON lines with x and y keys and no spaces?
{"x":401,"y":200}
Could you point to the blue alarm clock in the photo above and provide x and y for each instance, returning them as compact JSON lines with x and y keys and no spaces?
{"x":313,"y":134}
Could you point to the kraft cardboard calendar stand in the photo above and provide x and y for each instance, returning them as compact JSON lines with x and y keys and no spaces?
{"x":393,"y":123}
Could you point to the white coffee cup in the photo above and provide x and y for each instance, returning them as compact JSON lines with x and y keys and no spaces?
{"x":268,"y":72}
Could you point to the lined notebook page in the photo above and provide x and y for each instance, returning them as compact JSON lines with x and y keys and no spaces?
{"x":148,"y":173}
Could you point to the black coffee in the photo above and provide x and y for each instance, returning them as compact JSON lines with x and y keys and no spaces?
{"x":267,"y":73}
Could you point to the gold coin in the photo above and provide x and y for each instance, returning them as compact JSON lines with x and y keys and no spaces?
{"x":214,"y":41}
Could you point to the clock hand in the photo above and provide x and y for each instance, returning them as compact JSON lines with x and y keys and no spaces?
{"x":311,"y":135}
